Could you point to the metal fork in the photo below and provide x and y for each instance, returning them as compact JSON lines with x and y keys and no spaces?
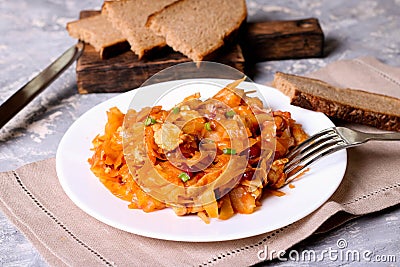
{"x":327,"y":142}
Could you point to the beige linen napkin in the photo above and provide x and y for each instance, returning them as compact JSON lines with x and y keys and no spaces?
{"x":64,"y":235}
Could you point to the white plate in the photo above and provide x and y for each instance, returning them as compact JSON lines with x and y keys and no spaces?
{"x":86,"y":191}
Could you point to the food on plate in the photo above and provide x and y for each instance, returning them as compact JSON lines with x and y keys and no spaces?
{"x":222,"y":146}
{"x":130,"y":16}
{"x":197,"y":28}
{"x":351,"y":105}
{"x":97,"y":31}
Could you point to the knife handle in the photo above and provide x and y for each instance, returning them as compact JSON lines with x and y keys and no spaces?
{"x":31,"y":89}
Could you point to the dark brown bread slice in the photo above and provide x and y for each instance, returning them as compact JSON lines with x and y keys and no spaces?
{"x":98,"y":32}
{"x":126,"y":72}
{"x":197,"y":28}
{"x":130,"y":16}
{"x":351,"y":105}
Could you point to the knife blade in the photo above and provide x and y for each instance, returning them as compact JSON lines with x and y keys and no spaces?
{"x":31,"y":89}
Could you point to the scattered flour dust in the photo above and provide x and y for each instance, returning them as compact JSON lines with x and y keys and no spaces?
{"x":270,"y":9}
{"x":391,"y":218}
{"x":40,"y":129}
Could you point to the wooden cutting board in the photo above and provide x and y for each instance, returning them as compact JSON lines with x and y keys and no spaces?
{"x":261,"y":41}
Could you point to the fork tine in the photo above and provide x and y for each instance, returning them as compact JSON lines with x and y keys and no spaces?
{"x":313,"y":149}
{"x":324,"y":133}
{"x":319,"y":143}
{"x":304,"y":162}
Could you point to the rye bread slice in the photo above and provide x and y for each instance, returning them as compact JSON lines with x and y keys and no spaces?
{"x":351,"y":105}
{"x":98,"y":32}
{"x":197,"y":28}
{"x":130,"y":16}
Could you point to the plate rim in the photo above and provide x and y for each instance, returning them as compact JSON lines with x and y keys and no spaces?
{"x":166,"y":236}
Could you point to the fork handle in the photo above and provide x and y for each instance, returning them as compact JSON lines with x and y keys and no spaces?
{"x":382,"y":136}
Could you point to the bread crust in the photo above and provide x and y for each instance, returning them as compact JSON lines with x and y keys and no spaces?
{"x":129,"y":17}
{"x":334,"y":108}
{"x":345,"y":112}
{"x":181,"y":46}
{"x":92,"y":30}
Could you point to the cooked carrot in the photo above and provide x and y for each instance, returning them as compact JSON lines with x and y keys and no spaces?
{"x":234,"y":132}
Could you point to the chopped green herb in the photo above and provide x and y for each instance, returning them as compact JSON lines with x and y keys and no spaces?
{"x":149,"y":121}
{"x":175,"y":110}
{"x":229,"y":151}
{"x":207,"y":125}
{"x":230,"y":114}
{"x":184,"y":177}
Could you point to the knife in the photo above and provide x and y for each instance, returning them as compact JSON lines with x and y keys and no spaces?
{"x":30,"y":90}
